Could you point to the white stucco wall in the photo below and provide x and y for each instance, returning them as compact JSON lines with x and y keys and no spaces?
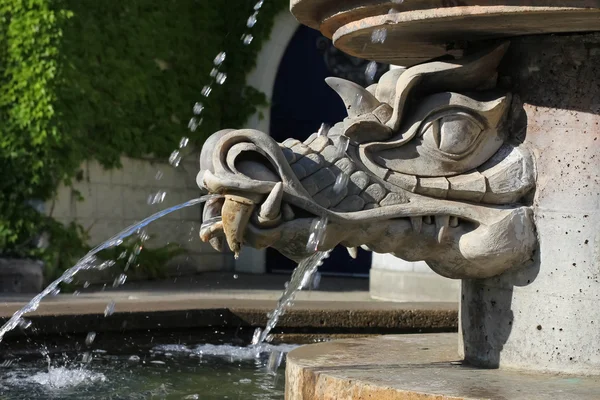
{"x":116,"y":199}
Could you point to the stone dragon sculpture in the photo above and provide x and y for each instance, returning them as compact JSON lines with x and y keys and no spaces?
{"x":433,"y":175}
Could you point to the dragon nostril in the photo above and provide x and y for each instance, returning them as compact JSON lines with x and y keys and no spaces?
{"x":256,"y":166}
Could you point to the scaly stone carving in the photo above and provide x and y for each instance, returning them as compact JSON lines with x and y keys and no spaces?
{"x":433,"y":175}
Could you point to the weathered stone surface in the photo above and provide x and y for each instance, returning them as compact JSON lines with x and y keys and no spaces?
{"x":374,"y":193}
{"x":311,"y":163}
{"x":437,"y":187}
{"x":351,"y":203}
{"x":319,"y":143}
{"x":331,"y":154}
{"x":290,"y":156}
{"x":301,"y":149}
{"x":458,"y":126}
{"x":346,"y":165}
{"x":545,"y":317}
{"x":414,"y":367}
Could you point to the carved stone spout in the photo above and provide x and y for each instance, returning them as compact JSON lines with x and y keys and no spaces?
{"x":434,"y":174}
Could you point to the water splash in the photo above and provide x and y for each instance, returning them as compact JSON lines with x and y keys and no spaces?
{"x":62,"y":377}
{"x":89,"y":261}
{"x":302,"y":273}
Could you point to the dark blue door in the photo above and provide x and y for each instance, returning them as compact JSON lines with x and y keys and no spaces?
{"x":301,"y":102}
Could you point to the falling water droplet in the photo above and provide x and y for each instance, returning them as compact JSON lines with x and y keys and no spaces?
{"x":214,"y":72}
{"x":110,"y":309}
{"x":183,"y":142}
{"x":120,"y":280}
{"x":221,"y":77}
{"x":342,"y":145}
{"x":159,"y":175}
{"x":86,"y":284}
{"x":323,"y":130}
{"x":259,"y":4}
{"x":317,"y":234}
{"x":256,"y":336}
{"x":55,"y":292}
{"x":340,"y":183}
{"x":86,"y":358}
{"x":220,"y":58}
{"x":175,"y":158}
{"x":193,"y":124}
{"x":379,"y":35}
{"x":370,"y":71}
{"x":76,"y":293}
{"x":25,"y":323}
{"x":252,"y":20}
{"x":235,"y":276}
{"x":134,"y":359}
{"x":89,"y":339}
{"x":247,"y":39}
{"x":157,"y":198}
{"x":206,"y":91}
{"x":275,"y":359}
{"x":198,"y":107}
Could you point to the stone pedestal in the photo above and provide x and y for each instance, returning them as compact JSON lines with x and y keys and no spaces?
{"x":547,"y":316}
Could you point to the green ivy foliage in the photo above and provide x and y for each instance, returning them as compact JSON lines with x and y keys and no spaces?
{"x":88,"y":79}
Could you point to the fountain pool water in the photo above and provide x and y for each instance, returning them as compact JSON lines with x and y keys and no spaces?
{"x":203,"y":371}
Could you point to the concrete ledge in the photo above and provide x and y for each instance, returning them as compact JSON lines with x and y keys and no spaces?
{"x":415,"y":367}
{"x":181,"y":311}
{"x":394,"y":285}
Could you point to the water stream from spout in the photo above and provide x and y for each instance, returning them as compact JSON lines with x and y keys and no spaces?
{"x":301,"y":278}
{"x":89,"y":261}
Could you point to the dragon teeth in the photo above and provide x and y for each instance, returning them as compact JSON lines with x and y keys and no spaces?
{"x":441,"y":223}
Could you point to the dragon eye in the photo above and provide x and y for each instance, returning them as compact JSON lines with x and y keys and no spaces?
{"x":453,"y":133}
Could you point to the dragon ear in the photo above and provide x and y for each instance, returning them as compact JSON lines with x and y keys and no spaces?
{"x":358,"y":100}
{"x":465,"y":74}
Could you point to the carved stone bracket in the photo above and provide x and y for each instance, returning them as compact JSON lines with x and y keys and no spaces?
{"x":434,"y":174}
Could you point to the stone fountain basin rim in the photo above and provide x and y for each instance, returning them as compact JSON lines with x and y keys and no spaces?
{"x":328,"y":15}
{"x":417,"y":35}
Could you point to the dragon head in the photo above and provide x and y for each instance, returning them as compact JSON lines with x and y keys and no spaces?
{"x":432,"y":174}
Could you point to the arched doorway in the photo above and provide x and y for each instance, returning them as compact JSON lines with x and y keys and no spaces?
{"x":301,"y":102}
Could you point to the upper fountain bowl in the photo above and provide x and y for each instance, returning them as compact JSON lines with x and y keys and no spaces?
{"x":419,"y":30}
